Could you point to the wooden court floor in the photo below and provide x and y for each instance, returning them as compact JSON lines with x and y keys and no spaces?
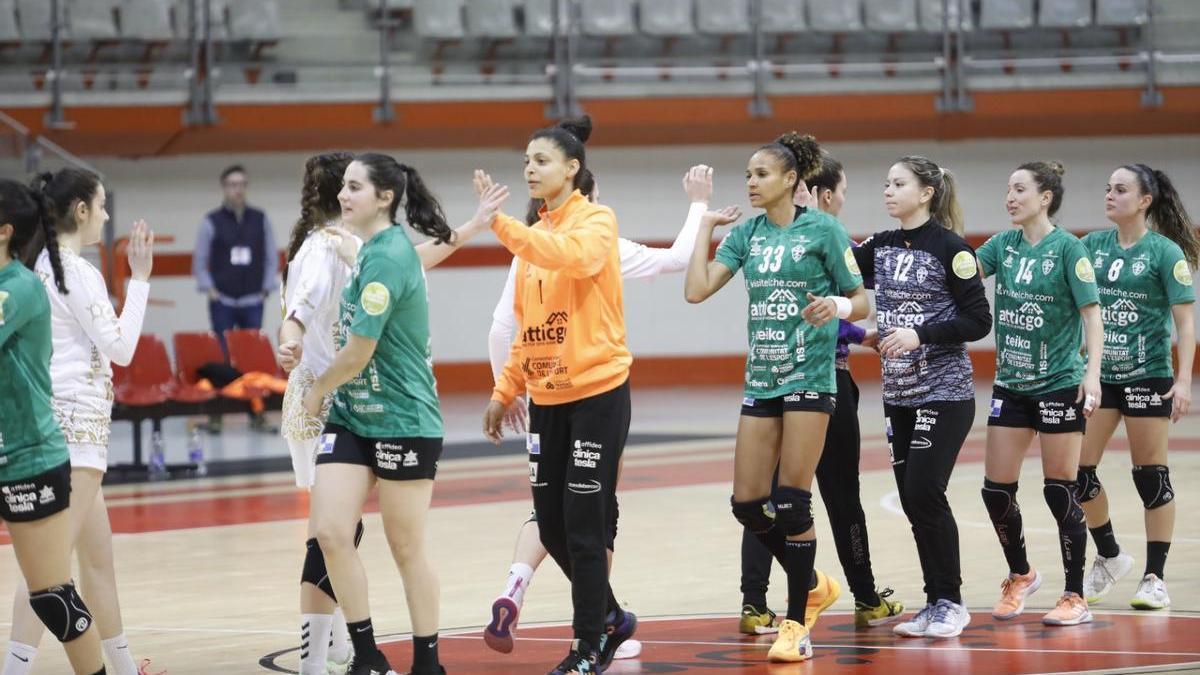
{"x":208,"y":570}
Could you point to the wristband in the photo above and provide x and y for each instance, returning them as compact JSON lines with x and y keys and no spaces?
{"x":843,"y":306}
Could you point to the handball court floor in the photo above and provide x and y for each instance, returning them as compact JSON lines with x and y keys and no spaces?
{"x":208,"y":569}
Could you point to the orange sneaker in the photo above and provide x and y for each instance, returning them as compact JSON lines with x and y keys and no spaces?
{"x":1071,"y":610}
{"x":824,"y":594}
{"x":1013,"y":591}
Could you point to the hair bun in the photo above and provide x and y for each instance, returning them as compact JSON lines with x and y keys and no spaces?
{"x":1056,"y":168}
{"x":579,"y":127}
{"x":806,"y":149}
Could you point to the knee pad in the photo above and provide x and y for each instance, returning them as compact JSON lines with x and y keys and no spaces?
{"x":1087,"y":483}
{"x":1000,"y":499}
{"x":793,"y":510}
{"x":756,"y":515}
{"x":1153,"y":482}
{"x":62,"y":611}
{"x":1063,"y":501}
{"x":314,"y":568}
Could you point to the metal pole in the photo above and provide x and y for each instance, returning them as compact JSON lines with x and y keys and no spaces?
{"x":384,"y":113}
{"x":947,"y":101}
{"x":195,"y":112}
{"x":759,"y":105}
{"x":565,"y":103}
{"x":1151,"y":96}
{"x":56,"y":118}
{"x":965,"y":103}
{"x":108,"y":239}
{"x":210,"y":111}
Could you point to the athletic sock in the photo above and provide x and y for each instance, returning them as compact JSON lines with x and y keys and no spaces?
{"x":314,"y":643}
{"x":116,"y":650}
{"x":1156,"y":557}
{"x":362,"y":634}
{"x":1072,"y":542}
{"x":339,"y":640}
{"x":1106,"y":540}
{"x":520,"y":576}
{"x":800,"y":557}
{"x":1007,"y":521}
{"x":19,"y":660}
{"x":425,"y":653}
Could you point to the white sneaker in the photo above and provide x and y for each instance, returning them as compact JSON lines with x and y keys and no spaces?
{"x":1151,"y":594}
{"x":916,"y":626}
{"x":1105,"y":574}
{"x":949,"y":620}
{"x":629,"y":649}
{"x":333,"y":667}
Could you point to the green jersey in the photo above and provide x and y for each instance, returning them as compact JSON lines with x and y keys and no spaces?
{"x":395,"y":396}
{"x":1138,"y":285}
{"x":30,"y":440}
{"x":782,"y":265}
{"x":1039,"y":291}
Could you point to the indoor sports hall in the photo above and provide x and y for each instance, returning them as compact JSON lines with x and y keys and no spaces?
{"x":184,"y":110}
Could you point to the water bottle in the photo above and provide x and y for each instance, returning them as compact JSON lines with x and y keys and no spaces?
{"x":196,"y":452}
{"x":158,"y":461}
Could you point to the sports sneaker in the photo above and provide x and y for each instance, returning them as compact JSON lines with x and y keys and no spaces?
{"x":824,"y":594}
{"x":916,"y":626}
{"x":1071,"y":610}
{"x":948,"y":620}
{"x":374,"y":664}
{"x":500,"y":632}
{"x":1013,"y":591}
{"x":144,"y":668}
{"x":333,"y":667}
{"x":887,"y":610}
{"x":615,"y":633}
{"x":792,"y":644}
{"x":1151,"y":594}
{"x":581,"y":660}
{"x":1105,"y":574}
{"x":629,"y":649}
{"x":756,"y":622}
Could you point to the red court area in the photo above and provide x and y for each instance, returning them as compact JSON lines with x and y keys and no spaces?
{"x":711,"y":644}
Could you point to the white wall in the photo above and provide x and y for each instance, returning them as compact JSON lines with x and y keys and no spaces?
{"x":643,"y":185}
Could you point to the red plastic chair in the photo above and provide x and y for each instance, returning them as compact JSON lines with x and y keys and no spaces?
{"x":193,"y":350}
{"x":148,"y":379}
{"x":250,"y":351}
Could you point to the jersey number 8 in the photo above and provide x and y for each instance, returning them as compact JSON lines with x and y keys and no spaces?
{"x":1114,"y":269}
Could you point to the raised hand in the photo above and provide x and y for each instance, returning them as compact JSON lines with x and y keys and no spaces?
{"x":697,"y":183}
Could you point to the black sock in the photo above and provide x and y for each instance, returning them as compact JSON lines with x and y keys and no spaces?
{"x":425,"y":653}
{"x":756,"y":600}
{"x":1106,"y":541}
{"x":1072,"y":542}
{"x":1001,"y":502}
{"x":812,"y":583}
{"x":362,"y":635}
{"x":1156,"y":557}
{"x":800,"y":558}
{"x":102,"y":671}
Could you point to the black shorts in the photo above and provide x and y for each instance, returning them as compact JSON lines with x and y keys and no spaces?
{"x":797,"y":401}
{"x":1142,"y":398}
{"x":388,"y":458}
{"x":36,"y":497}
{"x":1054,"y":412}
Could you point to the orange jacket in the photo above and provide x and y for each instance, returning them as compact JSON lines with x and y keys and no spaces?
{"x":568,"y":304}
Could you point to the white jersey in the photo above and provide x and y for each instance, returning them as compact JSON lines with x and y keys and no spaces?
{"x":637,"y":262}
{"x":316,"y":279}
{"x":88,"y":338}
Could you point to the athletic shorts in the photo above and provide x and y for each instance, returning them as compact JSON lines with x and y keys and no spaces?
{"x":36,"y":497}
{"x":388,"y":458}
{"x":797,"y":401}
{"x":1142,"y":398}
{"x":301,"y":430}
{"x":1054,"y":412}
{"x":88,"y":456}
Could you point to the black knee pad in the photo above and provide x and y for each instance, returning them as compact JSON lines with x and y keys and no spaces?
{"x":1153,"y":482}
{"x":1087,"y":483}
{"x":314,"y":568}
{"x":1063,"y":501}
{"x":62,"y":611}
{"x":1000,"y":499}
{"x":793,"y":510}
{"x":756,"y":515}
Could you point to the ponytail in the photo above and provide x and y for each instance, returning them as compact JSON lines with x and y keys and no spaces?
{"x":318,"y":198}
{"x":422,"y":210}
{"x":45,"y":234}
{"x":1169,"y":217}
{"x":944,"y":206}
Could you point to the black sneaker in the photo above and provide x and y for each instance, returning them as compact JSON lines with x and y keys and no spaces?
{"x":370,"y":664}
{"x":614,"y":634}
{"x":582,"y":660}
{"x":440,"y":670}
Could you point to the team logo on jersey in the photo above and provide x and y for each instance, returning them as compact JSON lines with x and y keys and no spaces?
{"x":3,"y":297}
{"x":922,"y":275}
{"x":797,"y":252}
{"x":375,"y":298}
{"x":1138,"y":267}
{"x":1047,"y":267}
{"x":755,"y":244}
{"x":1182,"y":273}
{"x":1008,"y":262}
{"x":1123,"y":312}
{"x":964,"y":265}
{"x":1084,"y":271}
{"x":851,"y":263}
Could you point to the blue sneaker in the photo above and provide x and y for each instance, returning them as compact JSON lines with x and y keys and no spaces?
{"x":616,"y":633}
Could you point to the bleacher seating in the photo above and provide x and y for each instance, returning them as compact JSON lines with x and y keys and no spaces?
{"x":1065,"y":14}
{"x":668,"y":18}
{"x":439,"y":19}
{"x":608,"y":18}
{"x":147,"y":21}
{"x":835,"y":16}
{"x":10,"y":34}
{"x":723,"y":17}
{"x":92,"y":19}
{"x":1006,"y":14}
{"x":538,"y":18}
{"x":492,"y":19}
{"x":891,"y":16}
{"x":35,"y":19}
{"x":783,"y":17}
{"x":1122,"y":12}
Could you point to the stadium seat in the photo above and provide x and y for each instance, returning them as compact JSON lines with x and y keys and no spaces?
{"x":193,"y":350}
{"x":667,"y":18}
{"x":146,"y":20}
{"x":835,"y":16}
{"x":250,"y":351}
{"x":608,"y":18}
{"x":255,"y":20}
{"x":539,"y":18}
{"x":1006,"y":14}
{"x":492,"y":19}
{"x":9,"y":33}
{"x":147,"y":380}
{"x":783,"y":17}
{"x":1065,"y":13}
{"x":35,"y":19}
{"x":92,"y":19}
{"x":218,"y":26}
{"x":439,"y":19}
{"x":723,"y":17}
{"x":891,"y":16}
{"x":1122,"y":12}
{"x":931,"y":15}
